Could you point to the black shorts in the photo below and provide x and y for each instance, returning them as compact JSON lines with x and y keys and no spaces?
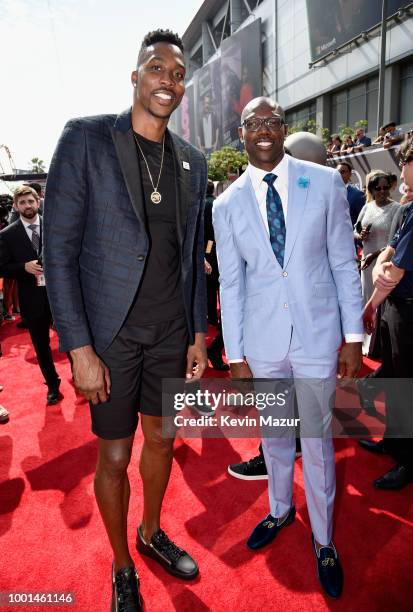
{"x":138,"y":359}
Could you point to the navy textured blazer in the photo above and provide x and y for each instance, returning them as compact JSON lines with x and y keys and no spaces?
{"x":95,"y":241}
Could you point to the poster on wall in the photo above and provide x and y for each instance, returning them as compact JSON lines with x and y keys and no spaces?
{"x":183,"y":118}
{"x":207,"y":88}
{"x":241,"y":77}
{"x":334,"y":22}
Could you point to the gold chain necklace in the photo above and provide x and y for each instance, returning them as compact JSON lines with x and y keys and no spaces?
{"x":155,"y":195}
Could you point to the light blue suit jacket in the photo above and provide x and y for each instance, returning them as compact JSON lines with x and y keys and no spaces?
{"x":318,"y":291}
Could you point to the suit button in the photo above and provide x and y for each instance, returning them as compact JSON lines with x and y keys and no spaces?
{"x":285,"y":305}
{"x":141,"y":257}
{"x":285,"y":274}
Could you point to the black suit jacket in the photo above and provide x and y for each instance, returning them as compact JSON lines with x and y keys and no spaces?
{"x":15,"y":250}
{"x":209,"y":235}
{"x":95,"y":241}
{"x":356,"y":200}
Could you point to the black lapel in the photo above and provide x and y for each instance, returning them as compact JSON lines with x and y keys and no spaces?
{"x":23,"y":239}
{"x":124,"y":141}
{"x":182,"y":183}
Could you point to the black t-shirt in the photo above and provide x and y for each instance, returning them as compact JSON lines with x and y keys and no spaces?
{"x":160,"y":296}
{"x":403,"y":256}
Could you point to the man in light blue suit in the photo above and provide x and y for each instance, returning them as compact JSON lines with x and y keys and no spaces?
{"x":290,"y":295}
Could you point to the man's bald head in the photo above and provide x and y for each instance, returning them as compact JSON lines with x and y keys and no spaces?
{"x":252,"y":106}
{"x":263,"y":131}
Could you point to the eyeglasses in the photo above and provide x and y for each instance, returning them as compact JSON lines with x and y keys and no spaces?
{"x":382,"y":188}
{"x":272,"y":123}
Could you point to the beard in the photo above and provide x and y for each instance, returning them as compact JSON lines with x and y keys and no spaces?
{"x":29,"y":214}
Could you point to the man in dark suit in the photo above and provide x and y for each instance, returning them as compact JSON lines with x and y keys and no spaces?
{"x":356,"y":198}
{"x":124,"y":261}
{"x":20,"y":249}
{"x":216,"y":346}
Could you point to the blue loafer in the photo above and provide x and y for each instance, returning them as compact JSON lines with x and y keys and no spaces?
{"x":329,"y":570}
{"x":267,"y":529}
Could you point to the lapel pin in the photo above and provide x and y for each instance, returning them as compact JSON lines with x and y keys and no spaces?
{"x":186,"y":165}
{"x":303,"y":182}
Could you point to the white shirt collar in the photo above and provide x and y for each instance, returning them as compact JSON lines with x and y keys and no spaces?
{"x":257,"y":174}
{"x":35,"y":221}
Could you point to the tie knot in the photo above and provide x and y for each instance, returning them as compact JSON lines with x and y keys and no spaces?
{"x":269,"y":178}
{"x":33,"y":227}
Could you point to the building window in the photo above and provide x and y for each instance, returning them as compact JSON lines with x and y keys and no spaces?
{"x":222,"y":30}
{"x":406,"y":93}
{"x":195,"y":62}
{"x":301,"y":116}
{"x":355,"y":103}
{"x":372,"y":104}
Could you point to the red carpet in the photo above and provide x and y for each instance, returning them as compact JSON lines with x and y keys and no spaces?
{"x":52,"y":539}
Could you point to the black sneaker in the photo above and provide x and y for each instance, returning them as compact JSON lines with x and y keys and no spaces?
{"x":202,"y":407}
{"x":254,"y":469}
{"x":172,"y":558}
{"x":125,"y":590}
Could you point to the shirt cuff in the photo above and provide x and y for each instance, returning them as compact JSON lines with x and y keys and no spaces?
{"x":354,"y":338}
{"x":235,"y":360}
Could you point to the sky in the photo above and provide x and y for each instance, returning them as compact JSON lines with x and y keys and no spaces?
{"x":68,"y":58}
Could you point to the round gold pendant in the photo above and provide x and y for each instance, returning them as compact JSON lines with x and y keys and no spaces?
{"x":156,"y":197}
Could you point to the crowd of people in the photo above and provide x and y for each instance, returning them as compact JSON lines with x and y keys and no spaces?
{"x":123,"y":281}
{"x":388,"y":136}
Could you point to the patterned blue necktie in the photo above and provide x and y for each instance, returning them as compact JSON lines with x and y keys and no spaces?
{"x":276,"y":221}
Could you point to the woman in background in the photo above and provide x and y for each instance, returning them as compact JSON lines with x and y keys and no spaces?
{"x":373,"y":229}
{"x":348,"y":145}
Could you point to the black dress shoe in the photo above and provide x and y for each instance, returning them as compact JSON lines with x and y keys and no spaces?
{"x":172,"y":558}
{"x":266,"y":530}
{"x":125,"y":590}
{"x":373,"y":447}
{"x":217,"y":361}
{"x":4,"y":415}
{"x":367,"y":394}
{"x":53,"y":396}
{"x":397,"y":478}
{"x":53,"y":393}
{"x":254,"y":469}
{"x":329,"y":570}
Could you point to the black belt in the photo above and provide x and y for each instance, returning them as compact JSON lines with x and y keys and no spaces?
{"x":400,"y":300}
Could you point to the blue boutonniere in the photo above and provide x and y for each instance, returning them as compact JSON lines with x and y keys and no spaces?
{"x":303,"y":182}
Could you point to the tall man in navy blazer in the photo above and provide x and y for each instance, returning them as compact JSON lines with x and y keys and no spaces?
{"x":124,"y":268}
{"x":290,"y":292}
